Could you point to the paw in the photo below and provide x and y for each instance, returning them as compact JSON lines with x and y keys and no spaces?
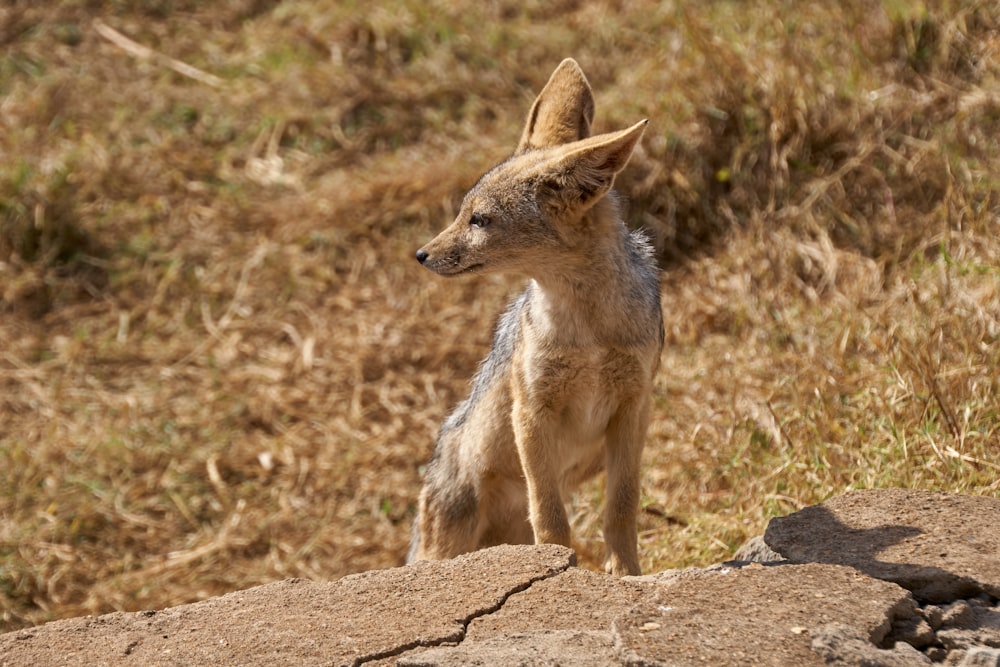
{"x":621,"y":567}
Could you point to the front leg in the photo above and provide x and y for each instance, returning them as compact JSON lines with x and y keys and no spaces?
{"x":626,"y":436}
{"x":535,"y":431}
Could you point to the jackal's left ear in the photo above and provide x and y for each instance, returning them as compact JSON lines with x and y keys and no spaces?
{"x":593,"y":164}
{"x":562,"y":112}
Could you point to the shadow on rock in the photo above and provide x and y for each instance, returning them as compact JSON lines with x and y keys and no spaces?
{"x":940,"y":547}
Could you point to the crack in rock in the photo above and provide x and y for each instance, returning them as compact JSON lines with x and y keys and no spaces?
{"x":459,"y":636}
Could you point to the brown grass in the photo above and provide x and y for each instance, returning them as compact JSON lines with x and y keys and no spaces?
{"x":221,"y":366}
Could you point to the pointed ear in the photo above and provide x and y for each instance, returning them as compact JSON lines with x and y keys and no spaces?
{"x":562,"y":112}
{"x":593,"y":165}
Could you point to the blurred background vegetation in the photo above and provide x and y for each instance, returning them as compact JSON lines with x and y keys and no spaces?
{"x":220,"y":365}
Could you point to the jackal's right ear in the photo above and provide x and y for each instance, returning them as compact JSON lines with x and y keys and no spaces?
{"x":562,"y":112}
{"x":584,"y":172}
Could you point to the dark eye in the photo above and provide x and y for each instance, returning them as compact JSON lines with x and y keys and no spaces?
{"x":478,"y":221}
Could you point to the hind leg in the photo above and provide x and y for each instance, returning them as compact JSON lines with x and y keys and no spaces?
{"x":505,"y":515}
{"x":448,"y":522}
{"x":513,"y":530}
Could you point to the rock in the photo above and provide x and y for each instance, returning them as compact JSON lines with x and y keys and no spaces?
{"x":915,"y":631}
{"x":967,"y":626}
{"x":981,"y":657}
{"x":755,"y":550}
{"x":527,"y":605}
{"x":844,"y":646}
{"x":958,"y":614}
{"x":360,"y":617}
{"x":940,"y":546}
{"x":934,"y":615}
{"x":756,"y":615}
{"x":542,"y":648}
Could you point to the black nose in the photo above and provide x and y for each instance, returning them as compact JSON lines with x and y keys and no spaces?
{"x":422,"y":255}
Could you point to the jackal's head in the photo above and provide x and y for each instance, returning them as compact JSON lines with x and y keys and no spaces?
{"x":530,"y":209}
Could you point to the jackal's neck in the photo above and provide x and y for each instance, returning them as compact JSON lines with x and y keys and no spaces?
{"x":593,"y":251}
{"x":601,"y":291}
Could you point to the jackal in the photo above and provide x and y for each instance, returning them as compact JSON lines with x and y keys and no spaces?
{"x":565,"y":390}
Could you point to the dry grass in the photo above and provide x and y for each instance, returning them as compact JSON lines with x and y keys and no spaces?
{"x":221,"y":366}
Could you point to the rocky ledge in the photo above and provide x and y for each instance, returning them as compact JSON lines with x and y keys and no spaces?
{"x":880,"y":577}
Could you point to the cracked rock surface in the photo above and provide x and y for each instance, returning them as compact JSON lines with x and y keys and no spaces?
{"x":357,"y":619}
{"x":887,"y":577}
